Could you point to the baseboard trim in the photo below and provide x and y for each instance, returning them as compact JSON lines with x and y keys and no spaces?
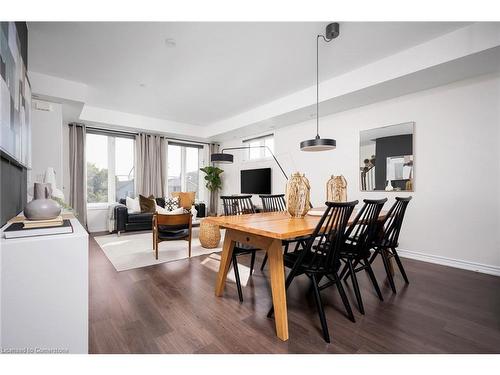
{"x":456,"y":263}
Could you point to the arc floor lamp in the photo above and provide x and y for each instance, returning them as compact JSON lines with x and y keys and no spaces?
{"x":223,"y":158}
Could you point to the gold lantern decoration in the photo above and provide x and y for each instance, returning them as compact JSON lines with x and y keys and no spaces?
{"x":298,"y":195}
{"x":336,"y":189}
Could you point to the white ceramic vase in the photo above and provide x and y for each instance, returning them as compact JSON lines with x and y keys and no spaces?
{"x":389,"y":186}
{"x":42,"y":207}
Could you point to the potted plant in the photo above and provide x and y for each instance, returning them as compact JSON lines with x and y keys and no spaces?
{"x":213,"y":184}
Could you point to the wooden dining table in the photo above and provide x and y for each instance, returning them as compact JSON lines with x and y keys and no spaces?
{"x":265,"y":231}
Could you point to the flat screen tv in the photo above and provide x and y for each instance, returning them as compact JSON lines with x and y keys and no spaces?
{"x":256,"y":181}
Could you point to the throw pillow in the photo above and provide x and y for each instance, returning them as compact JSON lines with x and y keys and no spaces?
{"x":186,"y":199}
{"x":177,"y":211}
{"x":133,"y":206}
{"x":164,"y":211}
{"x":171,"y":203}
{"x":148,"y":204}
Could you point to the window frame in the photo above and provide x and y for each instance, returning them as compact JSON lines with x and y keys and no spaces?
{"x":263,"y":152}
{"x":111,"y":167}
{"x":183,"y":174}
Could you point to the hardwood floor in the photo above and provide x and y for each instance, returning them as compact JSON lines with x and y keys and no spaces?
{"x":171,"y":308}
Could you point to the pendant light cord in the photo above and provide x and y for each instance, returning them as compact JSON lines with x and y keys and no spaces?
{"x":317,"y":80}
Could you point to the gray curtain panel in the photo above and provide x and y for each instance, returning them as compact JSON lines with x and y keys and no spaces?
{"x":150,"y":164}
{"x":77,"y":171}
{"x":214,"y":196}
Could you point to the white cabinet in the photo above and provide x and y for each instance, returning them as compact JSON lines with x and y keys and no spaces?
{"x":44,"y":293}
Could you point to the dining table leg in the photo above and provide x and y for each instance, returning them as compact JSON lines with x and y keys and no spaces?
{"x":277,"y":272}
{"x":225,"y":262}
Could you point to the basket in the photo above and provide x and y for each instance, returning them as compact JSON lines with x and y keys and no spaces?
{"x":209,"y":235}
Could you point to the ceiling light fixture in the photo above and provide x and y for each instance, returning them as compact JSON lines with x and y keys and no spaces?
{"x":318,"y":143}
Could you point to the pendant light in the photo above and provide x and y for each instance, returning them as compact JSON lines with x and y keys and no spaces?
{"x":222,"y":158}
{"x":318,"y":143}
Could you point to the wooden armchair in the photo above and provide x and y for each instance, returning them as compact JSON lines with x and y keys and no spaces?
{"x":171,"y":228}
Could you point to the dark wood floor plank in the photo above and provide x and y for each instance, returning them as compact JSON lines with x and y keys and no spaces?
{"x":171,"y":308}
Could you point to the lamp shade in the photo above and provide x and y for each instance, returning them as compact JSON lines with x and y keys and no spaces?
{"x":222,"y":158}
{"x":318,"y":144}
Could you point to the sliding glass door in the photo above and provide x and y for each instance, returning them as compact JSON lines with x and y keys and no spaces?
{"x":184,"y":163}
{"x":110,"y":168}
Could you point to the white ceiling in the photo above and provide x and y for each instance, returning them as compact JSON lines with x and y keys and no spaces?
{"x":216,"y":70}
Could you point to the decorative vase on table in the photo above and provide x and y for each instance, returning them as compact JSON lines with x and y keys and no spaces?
{"x":336,"y":189}
{"x":409,"y":185}
{"x":42,"y":207}
{"x":298,"y":195}
{"x":389,"y":186}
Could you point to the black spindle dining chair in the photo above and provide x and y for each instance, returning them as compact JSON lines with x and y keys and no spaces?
{"x":356,"y":248}
{"x":239,"y":205}
{"x":320,"y":257}
{"x":276,"y":203}
{"x":273,"y":202}
{"x":387,"y":242}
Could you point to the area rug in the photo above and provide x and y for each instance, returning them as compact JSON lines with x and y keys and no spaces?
{"x":212,"y":262}
{"x":135,"y":250}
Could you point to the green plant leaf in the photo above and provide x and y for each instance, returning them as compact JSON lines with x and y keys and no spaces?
{"x":212,"y":177}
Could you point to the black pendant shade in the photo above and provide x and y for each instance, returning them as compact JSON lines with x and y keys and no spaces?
{"x":318,"y":144}
{"x":222,"y":158}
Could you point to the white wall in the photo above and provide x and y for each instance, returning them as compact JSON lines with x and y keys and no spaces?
{"x":47,"y":142}
{"x":97,"y":219}
{"x":454,"y":217}
{"x":366,"y":152}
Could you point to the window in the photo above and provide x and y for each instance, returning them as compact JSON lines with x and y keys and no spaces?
{"x":259,"y":151}
{"x":174,"y":168}
{"x":124,"y":167}
{"x":110,"y":167}
{"x":97,"y":168}
{"x":184,"y":162}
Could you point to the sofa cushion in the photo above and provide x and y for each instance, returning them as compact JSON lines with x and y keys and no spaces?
{"x":164,"y":211}
{"x":160,"y":202}
{"x":140,"y":218}
{"x":133,"y":205}
{"x":148,"y":204}
{"x":171,"y":203}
